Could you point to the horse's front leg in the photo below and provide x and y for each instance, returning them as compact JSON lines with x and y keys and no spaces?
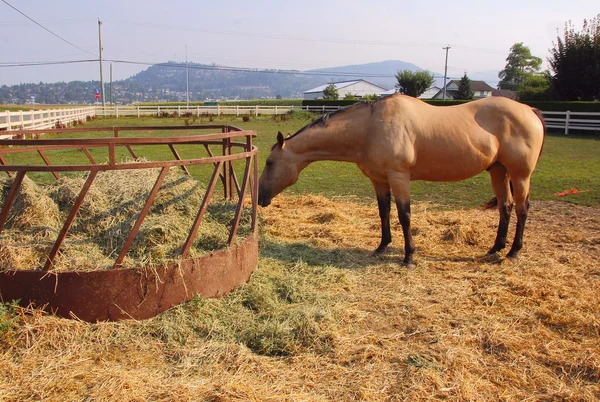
{"x":400,"y":184}
{"x":384,"y":203}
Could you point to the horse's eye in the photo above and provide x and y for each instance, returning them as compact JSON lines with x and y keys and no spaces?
{"x":269,"y":163}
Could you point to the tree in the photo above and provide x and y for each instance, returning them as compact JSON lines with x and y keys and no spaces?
{"x":414,"y":83}
{"x":520,"y":63}
{"x":536,"y":87}
{"x":575,"y":62}
{"x":349,"y":96}
{"x":464,"y":91}
{"x":330,"y":92}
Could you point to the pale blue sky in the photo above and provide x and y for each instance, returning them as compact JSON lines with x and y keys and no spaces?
{"x":276,"y":34}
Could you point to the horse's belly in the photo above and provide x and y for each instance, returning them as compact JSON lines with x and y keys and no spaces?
{"x":450,"y":169}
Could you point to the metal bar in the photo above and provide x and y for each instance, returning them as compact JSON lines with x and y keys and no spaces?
{"x":70,"y":218}
{"x":122,"y":166}
{"x":47,"y":161}
{"x":226,"y":176}
{"x":10,"y":198}
{"x":254,"y":193}
{"x":3,"y":162}
{"x":215,"y":163}
{"x":112,"y":159}
{"x":176,"y":154}
{"x":131,"y":152}
{"x":87,"y":153}
{"x":138,"y":223}
{"x":238,"y":210}
{"x":203,"y":206}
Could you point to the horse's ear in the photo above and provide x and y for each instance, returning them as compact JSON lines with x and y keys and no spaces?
{"x":280,"y":139}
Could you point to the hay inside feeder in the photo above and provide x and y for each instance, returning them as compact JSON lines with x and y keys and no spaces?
{"x":106,"y":217}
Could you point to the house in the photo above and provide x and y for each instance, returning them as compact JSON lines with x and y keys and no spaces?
{"x":428,"y":94}
{"x":358,"y":88}
{"x":480,"y":90}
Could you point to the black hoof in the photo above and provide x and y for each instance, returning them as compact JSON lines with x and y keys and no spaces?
{"x":380,"y":251}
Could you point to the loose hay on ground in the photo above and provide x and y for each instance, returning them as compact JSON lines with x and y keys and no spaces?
{"x":324,"y":320}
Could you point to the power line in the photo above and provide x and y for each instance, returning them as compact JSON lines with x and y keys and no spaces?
{"x":210,"y":68}
{"x":43,"y":27}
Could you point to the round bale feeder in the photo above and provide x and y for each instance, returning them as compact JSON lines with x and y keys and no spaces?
{"x":146,"y":289}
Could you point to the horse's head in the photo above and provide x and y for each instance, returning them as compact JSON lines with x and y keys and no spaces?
{"x":281,"y":171}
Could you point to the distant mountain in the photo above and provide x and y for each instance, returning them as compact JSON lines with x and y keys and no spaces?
{"x":167,"y":82}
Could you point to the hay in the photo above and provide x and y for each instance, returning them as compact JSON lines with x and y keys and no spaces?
{"x":322,"y":319}
{"x":106,"y":217}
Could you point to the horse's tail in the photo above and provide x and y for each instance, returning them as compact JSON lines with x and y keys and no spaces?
{"x":493,"y":203}
{"x":540,"y":116}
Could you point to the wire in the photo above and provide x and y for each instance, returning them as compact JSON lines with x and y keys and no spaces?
{"x":43,"y":27}
{"x":210,"y":68}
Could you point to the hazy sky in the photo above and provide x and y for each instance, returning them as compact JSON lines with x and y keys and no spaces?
{"x":275,"y":34}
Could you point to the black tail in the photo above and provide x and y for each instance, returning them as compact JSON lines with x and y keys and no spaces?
{"x":493,"y":203}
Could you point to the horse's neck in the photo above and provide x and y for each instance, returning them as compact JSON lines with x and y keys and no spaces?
{"x":338,"y":142}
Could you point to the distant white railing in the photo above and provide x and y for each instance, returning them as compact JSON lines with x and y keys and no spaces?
{"x":572,"y":121}
{"x":42,"y":118}
{"x":181,"y":111}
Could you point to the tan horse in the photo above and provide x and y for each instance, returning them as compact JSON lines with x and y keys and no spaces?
{"x":399,"y":138}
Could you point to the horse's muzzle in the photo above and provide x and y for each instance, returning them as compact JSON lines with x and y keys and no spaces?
{"x":264,"y":199}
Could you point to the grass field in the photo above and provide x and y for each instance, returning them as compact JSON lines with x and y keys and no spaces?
{"x":567,"y":162}
{"x":322,"y":319}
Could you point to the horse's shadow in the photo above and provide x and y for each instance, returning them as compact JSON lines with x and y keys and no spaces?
{"x":353,"y":258}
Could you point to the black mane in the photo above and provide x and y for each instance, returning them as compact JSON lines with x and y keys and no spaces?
{"x":322,"y":121}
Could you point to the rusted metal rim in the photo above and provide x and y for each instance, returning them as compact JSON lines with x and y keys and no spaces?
{"x":132,"y":293}
{"x":145,"y":291}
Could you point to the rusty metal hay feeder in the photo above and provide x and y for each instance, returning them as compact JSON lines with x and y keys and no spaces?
{"x":144,"y":291}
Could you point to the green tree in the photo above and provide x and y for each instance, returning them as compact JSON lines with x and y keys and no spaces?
{"x":464,"y":91}
{"x":536,"y":87}
{"x":330,"y":92}
{"x":575,"y":62}
{"x":349,"y":96}
{"x":520,"y":63}
{"x":413,"y":83}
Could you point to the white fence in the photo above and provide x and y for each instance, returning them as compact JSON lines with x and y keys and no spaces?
{"x":572,"y":121}
{"x":128,"y":110}
{"x":43,"y":118}
{"x":48,"y":118}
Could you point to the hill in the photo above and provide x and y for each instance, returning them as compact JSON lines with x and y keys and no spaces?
{"x":167,"y":82}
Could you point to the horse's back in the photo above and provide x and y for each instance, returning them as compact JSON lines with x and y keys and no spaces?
{"x":448,"y":143}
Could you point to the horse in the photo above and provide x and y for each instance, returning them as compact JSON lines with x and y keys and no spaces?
{"x":399,"y":138}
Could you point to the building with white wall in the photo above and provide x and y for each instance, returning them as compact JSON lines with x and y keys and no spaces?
{"x":358,"y":88}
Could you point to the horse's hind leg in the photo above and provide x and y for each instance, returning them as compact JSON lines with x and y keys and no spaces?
{"x":384,"y":202}
{"x":400,"y":184}
{"x":521,"y":194}
{"x":501,"y":186}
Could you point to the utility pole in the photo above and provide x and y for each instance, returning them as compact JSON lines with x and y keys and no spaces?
{"x":101,"y":76}
{"x":445,"y":70}
{"x":111,"y":97}
{"x":187,"y":83}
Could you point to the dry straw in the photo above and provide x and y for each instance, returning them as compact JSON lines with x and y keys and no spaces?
{"x":324,"y":320}
{"x":105,"y":219}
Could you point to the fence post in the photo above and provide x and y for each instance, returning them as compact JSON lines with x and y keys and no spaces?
{"x":178,"y":111}
{"x":8,"y":127}
{"x":275,"y":110}
{"x":237,"y":110}
{"x":567,"y":122}
{"x":21,"y":119}
{"x":256,"y":110}
{"x":197,"y":110}
{"x":138,"y":111}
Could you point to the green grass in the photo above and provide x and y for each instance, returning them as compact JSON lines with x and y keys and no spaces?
{"x":567,"y":162}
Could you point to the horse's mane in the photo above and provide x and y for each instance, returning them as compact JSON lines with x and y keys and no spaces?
{"x":323,"y":120}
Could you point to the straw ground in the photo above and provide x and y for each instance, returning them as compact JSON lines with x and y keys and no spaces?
{"x":324,"y":320}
